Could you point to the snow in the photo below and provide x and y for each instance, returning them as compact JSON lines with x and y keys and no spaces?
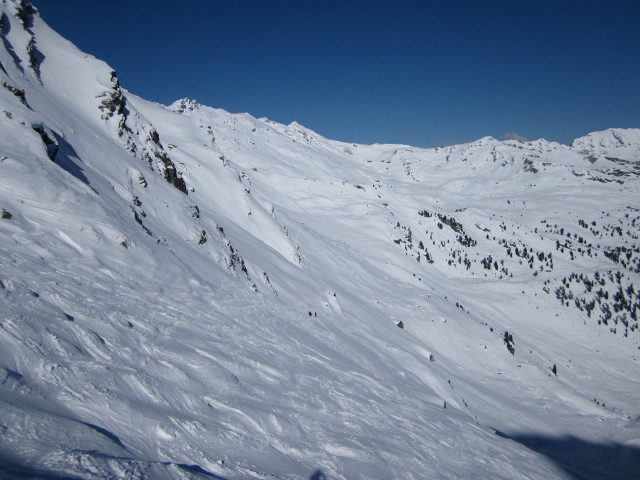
{"x":130,"y":348}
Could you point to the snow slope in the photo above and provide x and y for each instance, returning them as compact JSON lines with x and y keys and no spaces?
{"x":159,"y":263}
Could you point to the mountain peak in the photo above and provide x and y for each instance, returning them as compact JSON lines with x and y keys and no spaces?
{"x":620,"y":143}
{"x":185,"y":105}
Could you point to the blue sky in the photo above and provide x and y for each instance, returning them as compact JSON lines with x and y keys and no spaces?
{"x":423,"y":73}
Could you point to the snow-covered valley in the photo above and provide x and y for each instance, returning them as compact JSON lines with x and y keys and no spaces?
{"x":188,"y":293}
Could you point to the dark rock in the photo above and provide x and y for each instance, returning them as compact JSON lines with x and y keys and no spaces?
{"x":16,"y":91}
{"x":113,"y":103}
{"x":35,"y":57}
{"x":50,"y":144}
{"x":171,"y":174}
{"x":25,"y":13}
{"x":154,"y":137}
{"x":142,"y":181}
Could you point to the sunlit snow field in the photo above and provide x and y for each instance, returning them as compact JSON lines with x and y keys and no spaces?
{"x":247,"y":326}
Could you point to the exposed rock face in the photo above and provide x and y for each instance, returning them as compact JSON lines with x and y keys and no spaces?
{"x":25,"y":11}
{"x":19,"y":93}
{"x":50,"y":144}
{"x":131,"y":129}
{"x":35,"y":57}
{"x":171,"y":174}
{"x":113,"y":103}
{"x":185,"y":105}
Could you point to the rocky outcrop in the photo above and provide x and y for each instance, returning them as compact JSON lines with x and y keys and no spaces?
{"x":114,"y":103}
{"x":24,"y":12}
{"x":19,"y":93}
{"x":140,"y":137}
{"x":185,"y":105}
{"x":171,"y":174}
{"x":50,"y":143}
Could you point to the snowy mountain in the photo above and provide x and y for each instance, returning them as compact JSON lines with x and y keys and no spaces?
{"x":192,"y":294}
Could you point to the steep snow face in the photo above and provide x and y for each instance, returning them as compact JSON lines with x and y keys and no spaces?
{"x":189,"y":293}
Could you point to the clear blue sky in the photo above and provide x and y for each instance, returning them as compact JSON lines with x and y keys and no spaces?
{"x":423,"y":73}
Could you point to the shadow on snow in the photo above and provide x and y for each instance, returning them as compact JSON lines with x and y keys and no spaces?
{"x":583,"y":460}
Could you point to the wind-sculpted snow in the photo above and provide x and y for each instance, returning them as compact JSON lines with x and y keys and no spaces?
{"x":245,"y":324}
